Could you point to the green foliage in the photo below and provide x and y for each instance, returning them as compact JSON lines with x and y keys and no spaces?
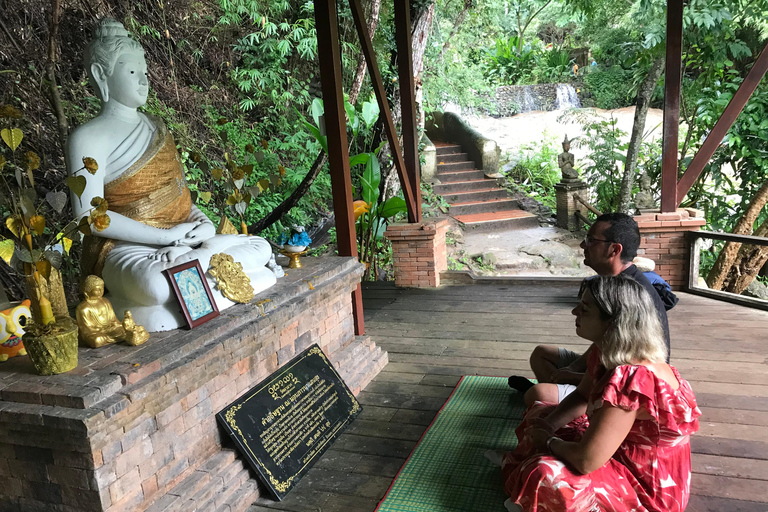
{"x":536,"y":171}
{"x":509,"y":62}
{"x":553,"y":66}
{"x":609,"y":87}
{"x":276,"y":58}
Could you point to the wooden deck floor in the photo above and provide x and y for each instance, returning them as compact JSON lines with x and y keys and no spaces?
{"x":435,"y":336}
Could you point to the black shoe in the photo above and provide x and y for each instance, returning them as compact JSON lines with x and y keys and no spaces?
{"x":520,"y":383}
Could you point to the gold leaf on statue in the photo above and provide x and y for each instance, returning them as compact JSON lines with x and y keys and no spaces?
{"x":77,"y":184}
{"x":12,"y":137}
{"x":231,"y":281}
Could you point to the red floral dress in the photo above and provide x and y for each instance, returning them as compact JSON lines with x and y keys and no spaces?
{"x":651,"y":470}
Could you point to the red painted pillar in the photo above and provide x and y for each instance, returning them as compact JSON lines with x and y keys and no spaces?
{"x":671,"y":105}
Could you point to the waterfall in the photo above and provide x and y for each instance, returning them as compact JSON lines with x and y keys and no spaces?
{"x":566,"y":97}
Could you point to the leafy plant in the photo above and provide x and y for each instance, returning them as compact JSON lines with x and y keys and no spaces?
{"x":608,"y":86}
{"x":536,"y":171}
{"x":38,"y":243}
{"x":510,"y":61}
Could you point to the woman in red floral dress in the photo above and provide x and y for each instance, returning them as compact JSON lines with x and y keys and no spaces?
{"x":621,"y":441}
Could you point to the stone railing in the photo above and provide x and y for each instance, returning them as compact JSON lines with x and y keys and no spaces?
{"x":450,"y":127}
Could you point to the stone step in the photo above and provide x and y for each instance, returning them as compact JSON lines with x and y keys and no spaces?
{"x":444,"y":148}
{"x":450,"y":177}
{"x":493,"y":205}
{"x":218,"y":481}
{"x":456,"y":166}
{"x":463,"y":186}
{"x":453,"y":157}
{"x":485,"y":222}
{"x":476,"y":196}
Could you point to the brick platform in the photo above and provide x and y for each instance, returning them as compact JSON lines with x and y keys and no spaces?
{"x":663,"y":241}
{"x":419,"y":252}
{"x":134,"y":428}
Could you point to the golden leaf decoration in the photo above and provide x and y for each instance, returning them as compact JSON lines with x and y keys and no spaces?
{"x":14,"y":225}
{"x":84,"y":226}
{"x":2,"y":162}
{"x":37,"y":223}
{"x":9,"y":112}
{"x":247,"y":169}
{"x":65,"y":242}
{"x":217,"y":173}
{"x":281,"y":169}
{"x":100,"y":204}
{"x":264,"y":144}
{"x":232,"y":199}
{"x":101,"y":222}
{"x":33,"y":160}
{"x":90,"y":164}
{"x":6,"y":250}
{"x":263,"y":184}
{"x":77,"y":184}
{"x":12,"y":137}
{"x":205,"y":197}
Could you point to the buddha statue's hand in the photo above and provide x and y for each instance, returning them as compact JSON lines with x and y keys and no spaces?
{"x":202,"y":232}
{"x":173,"y":235}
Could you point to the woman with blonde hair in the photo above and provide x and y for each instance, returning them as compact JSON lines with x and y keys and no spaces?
{"x":621,"y":441}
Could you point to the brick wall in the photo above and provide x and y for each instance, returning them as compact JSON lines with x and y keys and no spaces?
{"x":147,"y":439}
{"x":663,"y":241}
{"x":419,"y":252}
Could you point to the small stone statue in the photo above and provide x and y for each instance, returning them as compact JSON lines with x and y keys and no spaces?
{"x":274,"y":267}
{"x":644,"y":198}
{"x":566,"y":161}
{"x":96,"y":321}
{"x":134,"y":334}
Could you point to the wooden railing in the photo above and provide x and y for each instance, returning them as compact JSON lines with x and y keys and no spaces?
{"x":694,"y":241}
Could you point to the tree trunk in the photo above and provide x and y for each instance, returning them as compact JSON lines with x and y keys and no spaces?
{"x":291,"y":200}
{"x":727,"y":256}
{"x":748,"y":263}
{"x":357,"y":84}
{"x":638,"y":127}
{"x":420,"y":28}
{"x":50,"y":68}
{"x":456,"y":24}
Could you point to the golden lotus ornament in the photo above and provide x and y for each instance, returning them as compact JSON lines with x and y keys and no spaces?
{"x":231,"y":280}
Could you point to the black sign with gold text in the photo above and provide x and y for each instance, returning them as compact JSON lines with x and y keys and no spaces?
{"x":287,"y":421}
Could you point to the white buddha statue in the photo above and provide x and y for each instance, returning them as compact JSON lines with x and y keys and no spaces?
{"x":154,"y":225}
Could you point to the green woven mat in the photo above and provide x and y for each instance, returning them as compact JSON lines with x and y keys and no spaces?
{"x":447,"y":471}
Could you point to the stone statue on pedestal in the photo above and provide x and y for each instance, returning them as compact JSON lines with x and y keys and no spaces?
{"x":566,"y":161}
{"x":644,"y":197}
{"x":154,"y":225}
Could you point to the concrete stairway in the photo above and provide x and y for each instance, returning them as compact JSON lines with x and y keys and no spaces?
{"x":476,"y":201}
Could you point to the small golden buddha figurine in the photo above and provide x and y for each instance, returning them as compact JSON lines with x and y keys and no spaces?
{"x":134,"y":334}
{"x":96,"y":320}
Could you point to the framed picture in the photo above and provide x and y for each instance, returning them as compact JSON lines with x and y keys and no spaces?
{"x":192,"y":291}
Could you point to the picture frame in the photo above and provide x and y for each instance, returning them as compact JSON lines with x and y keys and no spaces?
{"x":193,"y":293}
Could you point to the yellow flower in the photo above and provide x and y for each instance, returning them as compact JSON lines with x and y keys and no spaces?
{"x":90,"y":164}
{"x":9,"y":112}
{"x":33,"y":161}
{"x":101,"y":222}
{"x":359,"y":208}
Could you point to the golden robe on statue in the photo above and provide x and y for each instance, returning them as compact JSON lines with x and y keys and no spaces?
{"x":153,"y":191}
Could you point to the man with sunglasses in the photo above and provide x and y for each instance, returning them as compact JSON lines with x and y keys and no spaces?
{"x":609,"y":248}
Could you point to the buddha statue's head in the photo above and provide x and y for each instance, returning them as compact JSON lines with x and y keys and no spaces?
{"x":93,"y":287}
{"x":116,"y":66}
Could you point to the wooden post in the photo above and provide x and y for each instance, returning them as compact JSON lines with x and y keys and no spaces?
{"x":414,"y":206}
{"x":671,"y":105}
{"x":715,"y":137}
{"x":407,"y":98}
{"x":329,"y":56}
